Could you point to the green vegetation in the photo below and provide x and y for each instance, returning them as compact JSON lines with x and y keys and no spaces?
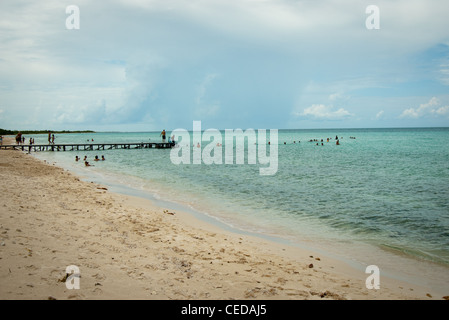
{"x":4,"y":132}
{"x":14,"y":132}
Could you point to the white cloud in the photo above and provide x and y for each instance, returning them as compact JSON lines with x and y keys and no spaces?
{"x":86,"y":114}
{"x":409,"y":113}
{"x":305,"y":25}
{"x":323,"y":112}
{"x":260,"y":48}
{"x":430,"y":108}
{"x":379,"y":114}
{"x":444,"y":71}
{"x":338,"y":96}
{"x":442,"y":111}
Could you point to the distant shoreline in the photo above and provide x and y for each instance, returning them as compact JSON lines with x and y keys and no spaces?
{"x":14,"y":132}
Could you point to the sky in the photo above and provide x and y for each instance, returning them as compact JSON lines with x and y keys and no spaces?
{"x":135,"y":65}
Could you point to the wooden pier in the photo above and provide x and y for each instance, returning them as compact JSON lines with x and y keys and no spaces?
{"x":88,"y":146}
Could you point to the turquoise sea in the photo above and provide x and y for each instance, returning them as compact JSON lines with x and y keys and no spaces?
{"x":380,"y":197}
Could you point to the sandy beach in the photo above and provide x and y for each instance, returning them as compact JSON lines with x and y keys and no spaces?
{"x":128,"y":248}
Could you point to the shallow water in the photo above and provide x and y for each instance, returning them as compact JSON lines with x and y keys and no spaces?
{"x":386,"y":191}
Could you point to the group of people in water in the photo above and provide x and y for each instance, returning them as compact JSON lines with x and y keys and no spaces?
{"x":337,"y":140}
{"x":86,"y":163}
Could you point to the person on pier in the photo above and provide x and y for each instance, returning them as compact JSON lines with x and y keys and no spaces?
{"x":19,"y":138}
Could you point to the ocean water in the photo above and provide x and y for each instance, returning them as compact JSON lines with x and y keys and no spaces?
{"x":380,"y":197}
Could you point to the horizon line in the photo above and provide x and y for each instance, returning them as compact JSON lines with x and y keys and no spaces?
{"x":114,"y":131}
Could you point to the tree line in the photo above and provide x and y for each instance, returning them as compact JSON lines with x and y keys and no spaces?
{"x":5,"y":132}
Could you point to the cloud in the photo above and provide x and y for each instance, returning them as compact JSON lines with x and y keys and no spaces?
{"x":444,"y":72}
{"x":335,"y":96}
{"x":206,"y":105}
{"x":442,"y":111}
{"x":86,"y":114}
{"x":169,"y":60}
{"x":323,"y":112}
{"x":379,"y":114}
{"x":208,"y":79}
{"x":431,"y":108}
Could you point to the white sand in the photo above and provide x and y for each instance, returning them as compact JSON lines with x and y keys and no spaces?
{"x":128,"y":248}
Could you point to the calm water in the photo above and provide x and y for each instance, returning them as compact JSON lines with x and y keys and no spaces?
{"x":387,"y":188}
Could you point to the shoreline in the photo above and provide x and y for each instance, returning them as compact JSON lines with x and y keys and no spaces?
{"x":129,"y":248}
{"x":382,"y":254}
{"x":392,"y":262}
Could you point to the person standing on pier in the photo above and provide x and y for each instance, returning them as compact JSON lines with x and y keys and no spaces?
{"x":163,"y":135}
{"x":49,"y":137}
{"x":53,"y":139}
{"x":19,"y":138}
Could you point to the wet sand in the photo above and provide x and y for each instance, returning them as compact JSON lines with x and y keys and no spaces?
{"x":129,"y":248}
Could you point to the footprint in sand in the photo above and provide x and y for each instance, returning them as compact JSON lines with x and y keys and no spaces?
{"x":97,"y":291}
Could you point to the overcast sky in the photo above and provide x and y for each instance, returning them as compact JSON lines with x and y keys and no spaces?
{"x":136,"y":65}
